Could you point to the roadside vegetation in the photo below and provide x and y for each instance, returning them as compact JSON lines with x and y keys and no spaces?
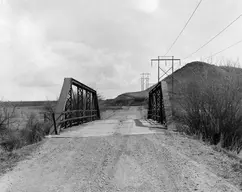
{"x":12,"y":138}
{"x":16,"y":143}
{"x":35,"y":128}
{"x":209,"y":106}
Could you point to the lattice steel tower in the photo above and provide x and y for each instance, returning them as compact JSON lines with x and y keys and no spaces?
{"x":145,"y":78}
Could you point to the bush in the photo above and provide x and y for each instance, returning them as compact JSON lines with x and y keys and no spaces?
{"x":49,"y":108}
{"x":12,"y":140}
{"x":33,"y":132}
{"x":7,"y":115}
{"x":213,"y":110}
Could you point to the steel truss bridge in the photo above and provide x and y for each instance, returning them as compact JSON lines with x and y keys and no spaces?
{"x":77,"y":104}
{"x":156,"y":109}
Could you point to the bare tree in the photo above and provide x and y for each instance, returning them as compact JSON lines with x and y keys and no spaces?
{"x":7,"y":115}
{"x":100,"y":97}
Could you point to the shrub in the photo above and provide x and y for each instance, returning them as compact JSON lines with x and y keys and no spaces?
{"x":213,"y":110}
{"x":49,"y":108}
{"x":7,"y":114}
{"x":12,"y":140}
{"x":33,"y":132}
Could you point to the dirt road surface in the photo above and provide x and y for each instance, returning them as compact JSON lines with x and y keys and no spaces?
{"x":121,"y":153}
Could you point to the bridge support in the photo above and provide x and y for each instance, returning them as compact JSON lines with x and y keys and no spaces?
{"x":156,"y":110}
{"x":77,"y":104}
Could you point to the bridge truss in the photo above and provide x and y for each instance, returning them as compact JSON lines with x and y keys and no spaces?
{"x":156,"y":109}
{"x":77,"y":104}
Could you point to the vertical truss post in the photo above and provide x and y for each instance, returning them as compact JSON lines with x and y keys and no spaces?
{"x":91,"y":105}
{"x":149,"y":107}
{"x":163,"y":116}
{"x":97,"y":106}
{"x":158,"y":106}
{"x":82,"y":104}
{"x":78,"y":104}
{"x":88,"y":104}
{"x":154,"y":106}
{"x":68,"y":107}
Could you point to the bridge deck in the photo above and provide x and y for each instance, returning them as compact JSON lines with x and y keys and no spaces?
{"x":112,"y":126}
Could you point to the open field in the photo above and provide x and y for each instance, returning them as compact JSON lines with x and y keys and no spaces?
{"x":22,"y":114}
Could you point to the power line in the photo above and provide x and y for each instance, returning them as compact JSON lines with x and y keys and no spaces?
{"x":225,"y":49}
{"x":214,"y":37}
{"x":183,"y":27}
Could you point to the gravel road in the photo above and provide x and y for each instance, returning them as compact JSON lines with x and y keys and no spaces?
{"x":122,"y":153}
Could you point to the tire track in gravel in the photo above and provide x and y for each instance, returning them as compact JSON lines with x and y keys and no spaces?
{"x":102,"y":176}
{"x":144,"y":152}
{"x":190,"y":175}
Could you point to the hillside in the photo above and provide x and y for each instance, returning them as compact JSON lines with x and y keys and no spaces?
{"x":200,"y":70}
{"x":130,"y":98}
{"x":200,"y":73}
{"x":190,"y":72}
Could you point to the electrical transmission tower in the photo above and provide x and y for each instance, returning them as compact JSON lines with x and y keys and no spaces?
{"x":145,"y":78}
{"x":165,"y":72}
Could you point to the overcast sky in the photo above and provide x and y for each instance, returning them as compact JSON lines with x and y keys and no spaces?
{"x":105,"y":44}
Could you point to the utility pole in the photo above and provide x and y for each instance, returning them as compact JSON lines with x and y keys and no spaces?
{"x":158,"y":68}
{"x":165,"y":72}
{"x":172,"y":64}
{"x":142,"y":81}
{"x":147,"y":79}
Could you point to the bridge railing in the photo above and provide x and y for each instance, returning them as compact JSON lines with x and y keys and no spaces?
{"x":156,"y":110}
{"x":77,"y":104}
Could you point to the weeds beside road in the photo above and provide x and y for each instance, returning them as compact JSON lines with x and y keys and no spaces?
{"x":18,"y":144}
{"x":211,"y":109}
{"x":12,"y":138}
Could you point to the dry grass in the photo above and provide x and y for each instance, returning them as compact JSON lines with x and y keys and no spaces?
{"x":17,"y":142}
{"x":22,"y":134}
{"x":9,"y":159}
{"x":31,"y":130}
{"x":213,"y":110}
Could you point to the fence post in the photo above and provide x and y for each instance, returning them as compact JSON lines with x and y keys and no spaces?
{"x":45,"y":118}
{"x":54,"y":122}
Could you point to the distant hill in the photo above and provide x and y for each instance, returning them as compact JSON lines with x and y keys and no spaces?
{"x":130,"y":98}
